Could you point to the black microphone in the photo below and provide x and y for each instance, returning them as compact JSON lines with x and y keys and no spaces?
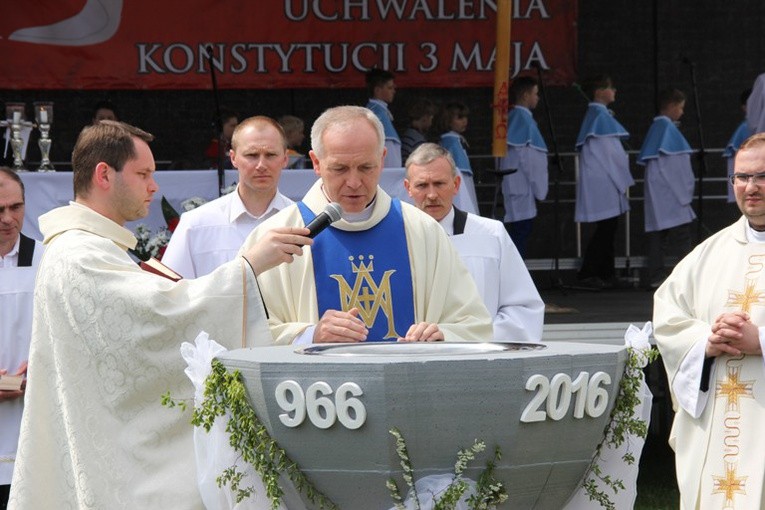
{"x":330,"y":215}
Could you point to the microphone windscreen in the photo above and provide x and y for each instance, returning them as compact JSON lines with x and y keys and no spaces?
{"x":334,"y":211}
{"x":329,"y":215}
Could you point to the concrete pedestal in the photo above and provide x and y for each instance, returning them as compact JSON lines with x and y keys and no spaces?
{"x":330,"y":408}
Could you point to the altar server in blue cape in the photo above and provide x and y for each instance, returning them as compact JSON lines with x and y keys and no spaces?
{"x":604,"y":178}
{"x":743,"y":131}
{"x":421,"y":114}
{"x":381,"y":86}
{"x":527,"y":152}
{"x":669,"y":184}
{"x":384,"y":271}
{"x":452,"y":124}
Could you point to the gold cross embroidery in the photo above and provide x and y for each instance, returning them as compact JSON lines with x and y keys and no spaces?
{"x":731,"y":388}
{"x":746,"y":299}
{"x":730,"y":484}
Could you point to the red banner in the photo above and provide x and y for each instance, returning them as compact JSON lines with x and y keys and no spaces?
{"x":142,"y":44}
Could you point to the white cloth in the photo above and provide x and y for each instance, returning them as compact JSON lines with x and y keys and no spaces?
{"x":669,"y":185}
{"x":612,"y":459}
{"x":725,"y":273}
{"x":16,"y":299}
{"x":522,"y":189}
{"x":444,"y":292}
{"x":105,"y":340}
{"x":604,"y":178}
{"x":212,"y":234}
{"x":502,"y":278}
{"x":212,"y":448}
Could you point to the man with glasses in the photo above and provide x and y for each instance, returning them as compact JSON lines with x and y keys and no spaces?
{"x":709,"y":324}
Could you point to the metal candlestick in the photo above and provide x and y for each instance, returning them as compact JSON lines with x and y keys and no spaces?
{"x":44,"y":118}
{"x":14,"y":113}
{"x":16,"y":145}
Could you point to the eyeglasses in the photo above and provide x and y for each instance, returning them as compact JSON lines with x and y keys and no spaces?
{"x":743,"y":179}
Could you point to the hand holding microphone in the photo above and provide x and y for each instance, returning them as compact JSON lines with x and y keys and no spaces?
{"x":281,"y":244}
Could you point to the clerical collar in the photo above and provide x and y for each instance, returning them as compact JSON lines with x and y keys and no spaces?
{"x":754,"y":236}
{"x":360,"y":216}
{"x":447,"y":222}
{"x":354,"y":217}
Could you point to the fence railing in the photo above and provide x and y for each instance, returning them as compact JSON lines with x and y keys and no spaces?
{"x":630,"y":252}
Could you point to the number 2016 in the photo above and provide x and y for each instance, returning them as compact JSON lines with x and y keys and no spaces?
{"x":316,"y":404}
{"x":553,"y":397}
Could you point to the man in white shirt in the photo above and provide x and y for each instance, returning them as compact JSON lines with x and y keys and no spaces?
{"x":19,"y":256}
{"x":212,"y":234}
{"x":517,"y":310}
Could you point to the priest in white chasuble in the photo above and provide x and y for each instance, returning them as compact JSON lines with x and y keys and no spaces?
{"x":709,"y":319}
{"x":106,"y":337}
{"x":384,"y":271}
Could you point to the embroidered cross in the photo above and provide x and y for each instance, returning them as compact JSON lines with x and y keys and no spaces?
{"x":366,"y":299}
{"x":732,"y":389}
{"x":746,"y":299}
{"x":730,"y":484}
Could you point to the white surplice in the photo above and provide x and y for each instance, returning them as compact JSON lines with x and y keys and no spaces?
{"x":104,"y":350}
{"x":717,"y":435}
{"x":16,"y":299}
{"x":502,"y":278}
{"x":444,"y":292}
{"x":669,"y":185}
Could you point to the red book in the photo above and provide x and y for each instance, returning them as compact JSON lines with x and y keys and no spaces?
{"x":155,"y":266}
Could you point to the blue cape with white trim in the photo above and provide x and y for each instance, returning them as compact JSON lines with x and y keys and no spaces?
{"x":522,"y":129}
{"x":742,"y":133}
{"x":383,"y":114}
{"x":599,"y":122}
{"x":662,"y":137}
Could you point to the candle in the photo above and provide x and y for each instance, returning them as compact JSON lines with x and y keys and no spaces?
{"x":16,"y":117}
{"x":43,"y":116}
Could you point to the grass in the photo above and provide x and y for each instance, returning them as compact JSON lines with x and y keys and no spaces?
{"x":657,"y":484}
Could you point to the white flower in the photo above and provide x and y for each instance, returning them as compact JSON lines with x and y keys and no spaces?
{"x":192,"y":203}
{"x":150,"y":245}
{"x":227,"y":189}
